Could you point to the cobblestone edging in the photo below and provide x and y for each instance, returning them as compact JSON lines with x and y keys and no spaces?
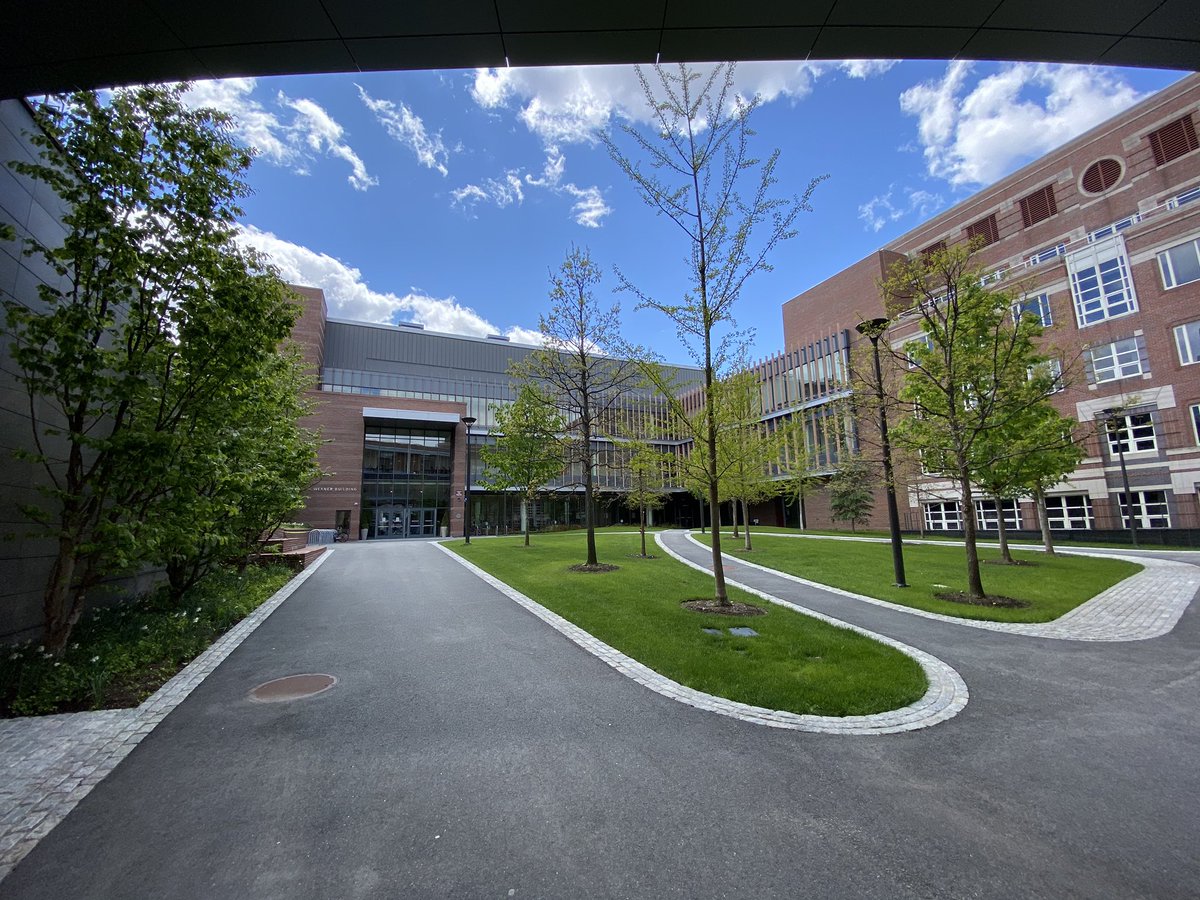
{"x":50,"y":763}
{"x":946,"y":696}
{"x":1143,"y":606}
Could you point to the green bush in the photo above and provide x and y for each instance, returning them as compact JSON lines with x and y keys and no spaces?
{"x":121,"y":655}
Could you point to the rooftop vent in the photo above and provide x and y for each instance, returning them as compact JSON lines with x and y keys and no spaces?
{"x":415,"y":325}
{"x":497,"y":337}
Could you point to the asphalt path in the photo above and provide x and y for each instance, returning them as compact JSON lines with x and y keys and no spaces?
{"x":468,"y":750}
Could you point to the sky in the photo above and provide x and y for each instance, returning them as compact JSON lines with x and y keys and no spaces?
{"x":447,"y":197}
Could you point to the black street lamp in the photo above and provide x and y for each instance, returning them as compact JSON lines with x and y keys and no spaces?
{"x":873,"y":330}
{"x":468,"y":421}
{"x":1111,"y":418}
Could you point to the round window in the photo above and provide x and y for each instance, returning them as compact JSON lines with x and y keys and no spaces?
{"x":1101,"y":175}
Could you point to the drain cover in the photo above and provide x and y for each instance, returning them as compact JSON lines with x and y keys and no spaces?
{"x":292,"y":687}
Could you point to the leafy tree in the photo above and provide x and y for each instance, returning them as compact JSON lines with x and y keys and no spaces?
{"x":850,"y":496}
{"x":649,"y":470}
{"x":529,"y":449}
{"x":968,"y":384}
{"x":698,"y":160}
{"x":153,"y":314}
{"x":576,"y":371}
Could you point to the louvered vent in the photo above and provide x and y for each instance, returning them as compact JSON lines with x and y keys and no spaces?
{"x":933,"y":248}
{"x":1038,"y":206}
{"x":1173,"y":140}
{"x":1101,"y":175}
{"x":985,"y":230}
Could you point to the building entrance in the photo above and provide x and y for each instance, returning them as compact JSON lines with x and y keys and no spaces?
{"x":406,"y":481}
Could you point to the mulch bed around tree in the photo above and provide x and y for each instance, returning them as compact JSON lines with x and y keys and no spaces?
{"x":709,"y":605}
{"x":639,"y":556}
{"x":599,"y":567}
{"x":1015,"y":562}
{"x":993,"y":600}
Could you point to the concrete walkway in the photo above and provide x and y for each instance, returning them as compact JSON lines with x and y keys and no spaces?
{"x":1143,"y":606}
{"x":470,"y":751}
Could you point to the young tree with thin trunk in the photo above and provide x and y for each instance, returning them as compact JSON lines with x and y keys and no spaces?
{"x":579,"y":370}
{"x":649,"y":471}
{"x":154,"y":314}
{"x":967,"y":383}
{"x":694,"y":166}
{"x":529,"y":451}
{"x":850,"y":496}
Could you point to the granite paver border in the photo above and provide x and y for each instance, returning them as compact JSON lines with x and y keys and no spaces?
{"x":50,"y":763}
{"x":1143,"y":606}
{"x":946,"y":696}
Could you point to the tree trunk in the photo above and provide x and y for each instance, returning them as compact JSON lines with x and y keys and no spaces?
{"x":1039,"y":499}
{"x":525,"y":519}
{"x":1002,"y":534}
{"x":974,"y":579}
{"x":62,"y":605}
{"x":746,"y":522}
{"x":735,"y":519}
{"x":642,"y":510}
{"x":589,"y":509}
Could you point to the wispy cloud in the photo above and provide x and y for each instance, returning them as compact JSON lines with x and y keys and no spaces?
{"x":405,"y":126}
{"x":974,"y":135}
{"x":292,"y":134}
{"x":588,"y":209}
{"x":350,"y":297}
{"x":879,"y":211}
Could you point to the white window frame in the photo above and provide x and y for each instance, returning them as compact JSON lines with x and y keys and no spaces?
{"x":1194,"y":409}
{"x":1166,"y":264}
{"x":985,"y":514}
{"x":1112,"y":361}
{"x":1064,"y":515}
{"x":1188,"y":343}
{"x":1134,"y":433}
{"x":1101,"y":295}
{"x":943,"y":515}
{"x":1183,"y":197}
{"x":1039,"y":305}
{"x":1150,"y":509}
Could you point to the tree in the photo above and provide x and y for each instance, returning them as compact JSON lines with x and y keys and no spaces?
{"x":968,"y":378}
{"x":698,"y":160}
{"x":529,"y":449}
{"x":153,"y":314}
{"x":850,"y":497}
{"x":648,"y":469}
{"x":577,"y":372}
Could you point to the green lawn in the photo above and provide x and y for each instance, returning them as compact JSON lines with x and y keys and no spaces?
{"x":796,"y":663}
{"x":1052,"y":585}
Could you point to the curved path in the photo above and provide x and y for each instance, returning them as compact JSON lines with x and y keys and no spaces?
{"x":470,"y":751}
{"x":944,"y":699}
{"x":1145,"y":605}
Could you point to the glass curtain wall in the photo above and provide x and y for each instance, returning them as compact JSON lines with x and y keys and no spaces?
{"x":406,"y":481}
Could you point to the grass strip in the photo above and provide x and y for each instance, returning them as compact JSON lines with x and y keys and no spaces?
{"x":796,"y":663}
{"x":1051,"y":585}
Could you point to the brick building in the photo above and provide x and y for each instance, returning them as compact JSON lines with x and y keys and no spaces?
{"x":1104,"y":236}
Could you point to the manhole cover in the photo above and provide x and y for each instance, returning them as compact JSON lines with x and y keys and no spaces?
{"x":292,"y":687}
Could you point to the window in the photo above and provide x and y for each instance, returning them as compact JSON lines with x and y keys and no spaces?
{"x":1101,"y":175}
{"x":1187,"y":339}
{"x":1186,"y":197}
{"x":1038,"y":206}
{"x":1100,"y":282}
{"x":1120,"y":359}
{"x":910,"y":348}
{"x":1046,"y":254}
{"x":1052,"y":367}
{"x":985,"y":514}
{"x":1069,"y":511}
{"x":942,"y":516}
{"x":984,"y":230}
{"x":1196,"y":422}
{"x":1038,"y":306}
{"x":1131,"y":434}
{"x":1173,"y":140}
{"x":1180,"y":264}
{"x":1113,"y":227}
{"x":1149,"y":509}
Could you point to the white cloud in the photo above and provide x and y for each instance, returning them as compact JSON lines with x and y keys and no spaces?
{"x":866,"y":68}
{"x":405,"y":126}
{"x":588,"y":209}
{"x":879,"y":211}
{"x":292,"y":144}
{"x":350,"y":297}
{"x":977,"y":136}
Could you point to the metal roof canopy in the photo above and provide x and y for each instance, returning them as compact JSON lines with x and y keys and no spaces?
{"x":48,"y":47}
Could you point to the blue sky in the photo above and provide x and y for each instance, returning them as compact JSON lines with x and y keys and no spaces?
{"x":445,"y":197}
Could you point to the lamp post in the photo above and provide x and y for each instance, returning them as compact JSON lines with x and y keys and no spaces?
{"x":873,"y":330}
{"x":1111,"y":417}
{"x":468,"y":421}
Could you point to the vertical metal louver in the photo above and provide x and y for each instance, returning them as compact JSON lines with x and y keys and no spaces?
{"x":1038,"y":206}
{"x":1173,"y":140}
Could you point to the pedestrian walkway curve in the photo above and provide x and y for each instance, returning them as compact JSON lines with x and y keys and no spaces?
{"x":1145,"y":605}
{"x":945,"y":698}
